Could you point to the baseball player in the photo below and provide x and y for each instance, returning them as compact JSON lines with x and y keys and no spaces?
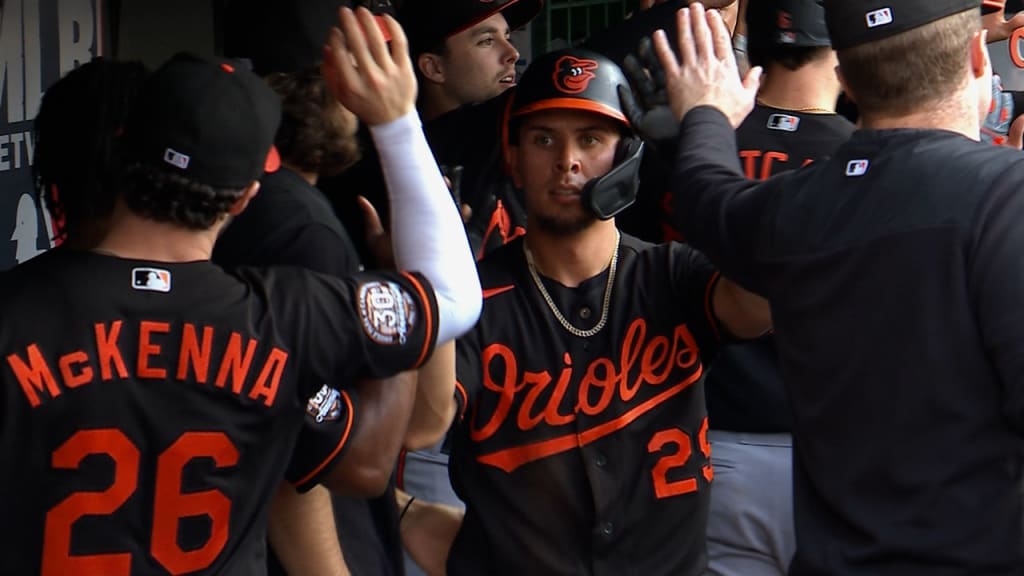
{"x":893,"y":270}
{"x":750,"y":527}
{"x":151,"y":402}
{"x":581,"y":445}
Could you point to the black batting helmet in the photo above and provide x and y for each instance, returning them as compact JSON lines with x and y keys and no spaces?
{"x":572,"y":79}
{"x":796,"y":23}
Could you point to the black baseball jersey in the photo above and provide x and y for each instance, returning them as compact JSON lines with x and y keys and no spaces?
{"x":744,"y":385}
{"x":149,"y":410}
{"x":895,"y":279}
{"x":586,"y":455}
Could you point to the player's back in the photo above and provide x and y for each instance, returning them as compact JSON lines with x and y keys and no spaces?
{"x":148,"y":413}
{"x":893,"y":311}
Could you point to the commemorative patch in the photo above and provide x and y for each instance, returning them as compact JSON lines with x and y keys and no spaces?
{"x":388,"y":313}
{"x":325,"y":405}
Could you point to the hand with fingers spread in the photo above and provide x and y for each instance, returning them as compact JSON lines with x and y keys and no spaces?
{"x":707,"y":75}
{"x":376,"y":82}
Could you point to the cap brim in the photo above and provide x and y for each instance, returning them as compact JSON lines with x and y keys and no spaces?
{"x":383,"y":26}
{"x":573,"y":104}
{"x":273,"y":161}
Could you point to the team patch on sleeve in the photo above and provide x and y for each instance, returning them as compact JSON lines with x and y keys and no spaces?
{"x":388,"y":313}
{"x":325,"y":405}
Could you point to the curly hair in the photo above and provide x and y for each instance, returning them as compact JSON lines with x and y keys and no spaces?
{"x":316,"y":134}
{"x":76,"y":165}
{"x":157,"y":193}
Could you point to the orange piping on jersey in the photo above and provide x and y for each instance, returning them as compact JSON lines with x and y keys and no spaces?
{"x":428,"y":340}
{"x":337,"y":449}
{"x":400,"y":469}
{"x":511,"y":458}
{"x":709,"y":310}
{"x":461,"y":391}
{"x":499,"y":290}
{"x":501,"y":223}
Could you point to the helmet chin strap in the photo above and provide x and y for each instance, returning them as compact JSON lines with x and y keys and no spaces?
{"x":612,"y":193}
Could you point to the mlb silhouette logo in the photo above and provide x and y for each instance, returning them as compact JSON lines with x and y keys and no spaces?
{"x":151,"y":279}
{"x":783,"y":122}
{"x":879,"y":17}
{"x":857,"y":167}
{"x":175,"y":158}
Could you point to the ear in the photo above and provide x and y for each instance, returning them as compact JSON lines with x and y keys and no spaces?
{"x":843,"y":86}
{"x":431,"y":67}
{"x":981,"y":64}
{"x":243,"y":201}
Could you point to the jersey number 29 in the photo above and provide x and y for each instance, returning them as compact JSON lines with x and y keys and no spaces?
{"x":169,"y":507}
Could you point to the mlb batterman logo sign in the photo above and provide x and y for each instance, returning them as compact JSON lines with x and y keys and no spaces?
{"x":151,"y":279}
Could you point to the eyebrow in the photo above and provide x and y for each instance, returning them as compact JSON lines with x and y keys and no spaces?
{"x":489,"y":30}
{"x":588,"y":128}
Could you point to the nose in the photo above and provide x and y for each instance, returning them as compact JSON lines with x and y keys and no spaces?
{"x":568,"y":159}
{"x":511,"y":55}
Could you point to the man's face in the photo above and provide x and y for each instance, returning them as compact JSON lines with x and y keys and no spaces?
{"x":559,"y":151}
{"x":480,"y":62}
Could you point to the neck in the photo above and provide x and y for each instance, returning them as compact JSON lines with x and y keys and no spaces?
{"x":434,"y":102}
{"x":311,"y":177}
{"x":954,"y":115}
{"x":813,"y":88}
{"x":138,"y":238}
{"x":571,"y":260}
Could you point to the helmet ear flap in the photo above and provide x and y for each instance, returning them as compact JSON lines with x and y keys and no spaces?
{"x":612,"y":193}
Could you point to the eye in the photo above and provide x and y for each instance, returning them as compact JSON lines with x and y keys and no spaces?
{"x":488,"y":41}
{"x":590,"y":140}
{"x":541,"y":139}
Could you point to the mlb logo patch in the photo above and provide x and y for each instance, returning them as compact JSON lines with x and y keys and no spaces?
{"x":857,"y":167}
{"x":879,"y":17}
{"x":783,"y":122}
{"x":151,"y":279}
{"x":175,"y":158}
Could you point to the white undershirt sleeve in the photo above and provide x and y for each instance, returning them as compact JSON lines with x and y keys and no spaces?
{"x":427,"y":232}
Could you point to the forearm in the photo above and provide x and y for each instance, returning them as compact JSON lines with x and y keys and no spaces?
{"x":427,"y":230}
{"x":384,"y":409}
{"x":434,"y":409}
{"x":302,"y":531}
{"x":712,"y":202}
{"x":428,"y":530}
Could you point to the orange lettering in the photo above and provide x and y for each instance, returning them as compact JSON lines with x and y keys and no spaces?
{"x":195,"y":354}
{"x":507,"y":389}
{"x":749,"y":158}
{"x":34,"y":375}
{"x":235,"y":363}
{"x":769,"y":157}
{"x":147,"y":349}
{"x":605,"y":384}
{"x":272,"y":371}
{"x":1014,"y":45}
{"x":67,"y":362}
{"x":107,"y":351}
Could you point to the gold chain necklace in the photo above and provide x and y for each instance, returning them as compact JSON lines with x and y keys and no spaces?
{"x":551,"y":303}
{"x":809,"y":109}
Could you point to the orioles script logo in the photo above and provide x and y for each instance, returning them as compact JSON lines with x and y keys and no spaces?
{"x":573,"y":75}
{"x":642,"y":362}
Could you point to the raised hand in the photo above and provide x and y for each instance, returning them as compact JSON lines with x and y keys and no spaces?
{"x":707,"y":75}
{"x":376,"y":82}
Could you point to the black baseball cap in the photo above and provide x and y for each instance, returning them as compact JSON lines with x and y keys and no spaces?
{"x":855,"y":22}
{"x":797,"y":23}
{"x":211,"y":120}
{"x":428,"y":23}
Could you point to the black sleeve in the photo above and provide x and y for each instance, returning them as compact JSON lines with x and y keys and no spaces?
{"x":329,"y":421}
{"x":714,"y":206}
{"x":997,"y":284}
{"x":694,"y":279}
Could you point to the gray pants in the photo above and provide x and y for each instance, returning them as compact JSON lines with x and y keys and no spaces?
{"x":750,"y":526}
{"x":425,"y":475}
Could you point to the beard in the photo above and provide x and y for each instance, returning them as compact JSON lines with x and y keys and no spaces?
{"x":566,"y":225}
